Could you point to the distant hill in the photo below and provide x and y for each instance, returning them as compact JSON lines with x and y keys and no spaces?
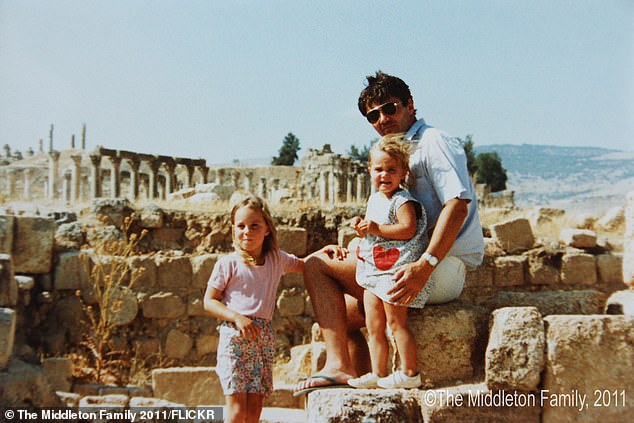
{"x":584,"y":178}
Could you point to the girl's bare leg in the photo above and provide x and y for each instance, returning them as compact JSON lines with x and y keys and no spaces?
{"x":237,"y":408}
{"x":405,"y":342}
{"x":375,"y":322}
{"x":254,"y":406}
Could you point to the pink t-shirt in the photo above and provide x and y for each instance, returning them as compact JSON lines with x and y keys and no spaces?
{"x":247,"y":289}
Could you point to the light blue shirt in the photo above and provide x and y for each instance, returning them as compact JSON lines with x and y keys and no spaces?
{"x":439,"y":169}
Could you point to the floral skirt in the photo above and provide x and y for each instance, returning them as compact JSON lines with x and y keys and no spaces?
{"x":246,"y":366}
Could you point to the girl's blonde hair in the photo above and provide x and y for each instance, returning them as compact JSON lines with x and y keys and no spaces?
{"x":394,"y":146}
{"x":270,"y":241}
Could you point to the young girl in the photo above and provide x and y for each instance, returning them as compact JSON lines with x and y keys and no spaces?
{"x":393,"y":234}
{"x":241,"y":291}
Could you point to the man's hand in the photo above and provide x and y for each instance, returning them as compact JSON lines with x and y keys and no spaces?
{"x":409,"y":280}
{"x":336,"y":251}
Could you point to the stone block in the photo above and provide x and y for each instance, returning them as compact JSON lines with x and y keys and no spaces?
{"x":514,"y":235}
{"x":610,"y":268}
{"x":509,"y":270}
{"x":7,"y":335}
{"x":188,"y":385}
{"x":586,"y":354}
{"x":621,"y":302}
{"x":453,"y":331}
{"x":202,"y":266}
{"x":173,"y":272}
{"x":551,"y":302}
{"x":72,"y":271}
{"x":476,"y":403}
{"x":143,"y":272}
{"x":481,"y":275}
{"x":104,"y":401}
{"x":8,"y":284}
{"x":578,"y":269}
{"x":514,"y":356}
{"x":206,"y":344}
{"x":163,"y":305}
{"x":290,"y":303}
{"x":59,"y":372}
{"x":122,"y":305}
{"x":628,"y":262}
{"x":363,"y":405}
{"x":167,"y":238}
{"x":178,"y":344}
{"x":541,"y":270}
{"x":292,"y":280}
{"x":545,"y":215}
{"x":25,"y":385}
{"x":151,"y":217}
{"x":6,"y":234}
{"x":146,"y":347}
{"x":195,"y":307}
{"x":578,"y":238}
{"x":282,"y":397}
{"x":33,"y":245}
{"x":68,"y":399}
{"x":293,"y":240}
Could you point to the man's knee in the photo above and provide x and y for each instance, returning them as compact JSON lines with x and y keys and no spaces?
{"x":449,"y":279}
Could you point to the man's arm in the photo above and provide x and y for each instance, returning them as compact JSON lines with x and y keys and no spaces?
{"x":411,"y":278}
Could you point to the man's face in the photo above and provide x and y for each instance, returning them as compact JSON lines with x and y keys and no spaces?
{"x":400,"y":121}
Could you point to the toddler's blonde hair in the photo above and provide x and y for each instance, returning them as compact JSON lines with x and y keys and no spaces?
{"x":394,"y":146}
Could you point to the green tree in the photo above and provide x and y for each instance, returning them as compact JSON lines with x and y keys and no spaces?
{"x":361,"y":153}
{"x":490,"y":171}
{"x":288,"y":151}
{"x":471,"y":157}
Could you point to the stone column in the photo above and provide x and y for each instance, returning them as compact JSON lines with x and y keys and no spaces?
{"x":349,"y":182}
{"x":53,"y":173}
{"x":211,"y":176}
{"x":323,"y":187}
{"x":134,"y":178}
{"x":40,"y":146}
{"x":204,"y":170}
{"x":262,"y":188}
{"x":190,"y":176}
{"x":115,"y":176}
{"x":28,"y":172}
{"x":248,"y":180}
{"x":67,"y":186}
{"x":10,"y":189}
{"x":220,"y":176}
{"x":235,"y":178}
{"x":170,"y":178}
{"x":333,"y":186}
{"x":72,"y":142}
{"x":360,"y":193}
{"x":154,"y":167}
{"x":75,"y":186}
{"x":95,"y":175}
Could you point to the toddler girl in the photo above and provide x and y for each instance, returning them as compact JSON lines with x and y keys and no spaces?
{"x":394,"y":234}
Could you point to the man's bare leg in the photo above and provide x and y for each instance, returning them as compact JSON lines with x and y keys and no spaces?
{"x":340,"y":316}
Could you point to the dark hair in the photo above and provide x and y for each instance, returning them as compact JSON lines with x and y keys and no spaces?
{"x":382,"y":87}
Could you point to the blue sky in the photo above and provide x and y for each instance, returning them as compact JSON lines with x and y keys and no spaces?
{"x":226,"y":80}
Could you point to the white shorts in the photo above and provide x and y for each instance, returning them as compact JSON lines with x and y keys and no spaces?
{"x":449,"y":278}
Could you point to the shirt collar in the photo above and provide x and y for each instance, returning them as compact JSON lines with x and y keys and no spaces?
{"x":415,"y":131}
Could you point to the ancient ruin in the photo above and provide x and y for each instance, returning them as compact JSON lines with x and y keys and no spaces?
{"x":542,"y":320}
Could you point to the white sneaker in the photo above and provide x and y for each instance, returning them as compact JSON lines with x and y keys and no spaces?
{"x":399,"y":380}
{"x":366,"y":381}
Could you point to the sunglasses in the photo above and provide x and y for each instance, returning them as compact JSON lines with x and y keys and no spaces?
{"x":388,"y":109}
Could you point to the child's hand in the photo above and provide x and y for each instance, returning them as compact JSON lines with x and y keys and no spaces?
{"x":248,"y":329}
{"x":365,"y":227}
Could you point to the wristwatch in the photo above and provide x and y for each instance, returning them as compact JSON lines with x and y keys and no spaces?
{"x":433,"y":261}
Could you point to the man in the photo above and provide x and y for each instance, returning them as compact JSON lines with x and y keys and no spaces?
{"x":440,"y":181}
